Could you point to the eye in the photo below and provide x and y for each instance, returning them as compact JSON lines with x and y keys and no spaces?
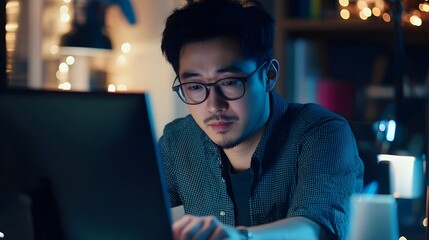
{"x":193,"y":87}
{"x":231,"y":82}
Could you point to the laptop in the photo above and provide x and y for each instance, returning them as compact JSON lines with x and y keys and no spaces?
{"x":80,"y":166}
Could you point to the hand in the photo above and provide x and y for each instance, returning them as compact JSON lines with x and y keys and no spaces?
{"x":202,"y":228}
{"x":125,"y":5}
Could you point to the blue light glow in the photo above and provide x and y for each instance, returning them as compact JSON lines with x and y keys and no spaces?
{"x":391,"y":129}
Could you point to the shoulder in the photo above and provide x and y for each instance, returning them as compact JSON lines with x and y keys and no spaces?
{"x":180,"y":129}
{"x":311,"y":113}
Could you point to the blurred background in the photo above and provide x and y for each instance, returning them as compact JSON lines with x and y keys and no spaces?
{"x":89,"y":45}
{"x":367,"y":60}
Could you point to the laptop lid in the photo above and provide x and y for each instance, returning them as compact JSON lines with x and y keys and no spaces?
{"x":80,"y":166}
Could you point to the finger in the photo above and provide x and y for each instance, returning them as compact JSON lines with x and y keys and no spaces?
{"x":218,"y":234}
{"x":207,"y":229}
{"x":179,"y":225}
{"x":192,"y":228}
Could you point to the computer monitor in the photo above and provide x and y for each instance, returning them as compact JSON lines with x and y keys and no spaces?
{"x":80,"y":166}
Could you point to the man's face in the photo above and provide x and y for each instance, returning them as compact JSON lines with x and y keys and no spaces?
{"x":227,"y":123}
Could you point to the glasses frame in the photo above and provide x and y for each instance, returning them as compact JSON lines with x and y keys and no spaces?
{"x":178,"y":88}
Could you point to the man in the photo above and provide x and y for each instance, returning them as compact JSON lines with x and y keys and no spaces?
{"x":244,"y":164}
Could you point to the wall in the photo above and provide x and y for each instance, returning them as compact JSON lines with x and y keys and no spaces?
{"x":145,"y":68}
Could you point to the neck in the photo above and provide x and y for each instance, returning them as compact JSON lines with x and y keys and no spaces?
{"x":240,"y":156}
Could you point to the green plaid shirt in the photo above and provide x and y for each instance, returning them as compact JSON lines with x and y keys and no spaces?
{"x":306,"y":164}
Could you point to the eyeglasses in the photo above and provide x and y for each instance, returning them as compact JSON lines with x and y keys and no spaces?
{"x":229,"y":89}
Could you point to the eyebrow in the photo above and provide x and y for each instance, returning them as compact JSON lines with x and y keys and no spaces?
{"x":228,"y":69}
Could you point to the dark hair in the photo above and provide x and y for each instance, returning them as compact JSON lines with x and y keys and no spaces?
{"x":247,"y":22}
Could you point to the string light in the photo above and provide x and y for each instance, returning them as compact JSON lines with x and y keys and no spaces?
{"x":54,"y":49}
{"x":424,"y":7}
{"x":376,"y":11}
{"x":344,"y":3}
{"x":63,"y":67}
{"x":366,"y":12}
{"x":126,"y":47}
{"x":386,"y":17}
{"x":345,"y":14}
{"x":64,"y":86}
{"x":111,"y":88}
{"x":70,"y":60}
{"x":366,"y":9}
{"x":415,"y":20}
{"x":122,"y":87}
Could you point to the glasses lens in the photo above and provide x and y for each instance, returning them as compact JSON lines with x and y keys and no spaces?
{"x":230,"y":88}
{"x":193,"y":93}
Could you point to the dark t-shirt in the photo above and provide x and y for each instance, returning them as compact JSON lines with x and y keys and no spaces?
{"x":241,"y":184}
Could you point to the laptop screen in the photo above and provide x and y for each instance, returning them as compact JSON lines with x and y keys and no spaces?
{"x":79,"y":166}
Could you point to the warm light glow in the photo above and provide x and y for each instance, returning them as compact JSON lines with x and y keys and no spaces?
{"x":11,"y":27}
{"x":64,"y":9}
{"x":63,"y":67}
{"x":122,"y":87}
{"x":362,"y":15}
{"x":425,"y":222}
{"x":64,"y":86}
{"x":12,"y":4}
{"x":379,"y":4}
{"x":70,"y":60}
{"x":343,"y":3}
{"x":12,"y":7}
{"x":424,"y":7}
{"x":402,"y":238}
{"x":65,"y":17}
{"x":54,"y":49}
{"x":1,"y":235}
{"x":386,"y":17}
{"x":367,"y":12}
{"x":126,"y":47}
{"x":111,"y":88}
{"x":10,"y":36}
{"x":121,"y":59}
{"x":345,"y":14}
{"x":376,"y":11}
{"x":415,"y":20}
{"x":61,"y":76}
{"x":361,"y":4}
{"x":67,"y":1}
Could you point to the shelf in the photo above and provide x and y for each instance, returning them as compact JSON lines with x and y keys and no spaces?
{"x":371,"y":30}
{"x":388,"y":92}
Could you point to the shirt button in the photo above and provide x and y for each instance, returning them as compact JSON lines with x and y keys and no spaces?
{"x":222,"y":213}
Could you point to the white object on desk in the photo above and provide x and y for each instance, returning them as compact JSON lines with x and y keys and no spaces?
{"x":373,"y":217}
{"x":406,"y":175}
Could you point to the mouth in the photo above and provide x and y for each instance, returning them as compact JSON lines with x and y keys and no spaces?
{"x":220,"y":127}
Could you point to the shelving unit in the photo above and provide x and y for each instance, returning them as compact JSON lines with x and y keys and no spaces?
{"x":326,"y":33}
{"x":329,"y":38}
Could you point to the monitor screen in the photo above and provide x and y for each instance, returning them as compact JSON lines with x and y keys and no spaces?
{"x":80,"y":166}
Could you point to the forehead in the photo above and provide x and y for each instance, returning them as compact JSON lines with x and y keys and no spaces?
{"x":218,"y":49}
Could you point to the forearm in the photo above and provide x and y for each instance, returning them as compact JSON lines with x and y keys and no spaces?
{"x":290,"y":228}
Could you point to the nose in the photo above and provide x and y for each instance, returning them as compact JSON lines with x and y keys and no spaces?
{"x":215,"y":103}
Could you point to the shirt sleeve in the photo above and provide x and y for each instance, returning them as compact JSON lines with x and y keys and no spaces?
{"x":167,"y":157}
{"x":329,"y":172}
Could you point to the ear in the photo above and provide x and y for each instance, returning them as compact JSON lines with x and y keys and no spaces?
{"x":272,"y":74}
